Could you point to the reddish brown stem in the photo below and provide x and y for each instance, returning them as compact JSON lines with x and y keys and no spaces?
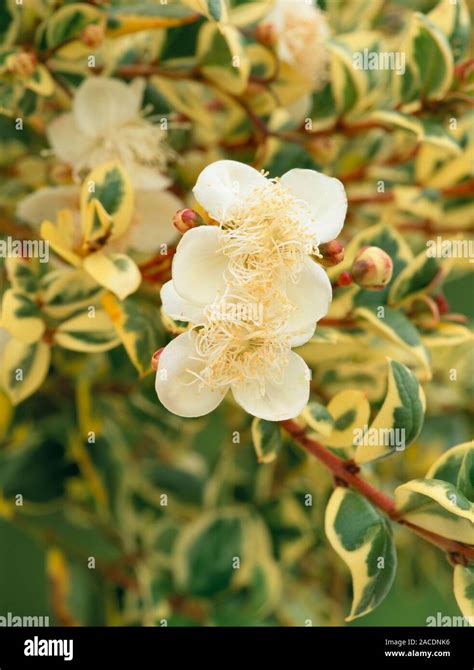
{"x":346,"y":471}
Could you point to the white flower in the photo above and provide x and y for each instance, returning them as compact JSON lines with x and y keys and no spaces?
{"x":150,"y":227}
{"x":251,"y":290}
{"x":252,"y":359}
{"x":267,"y":228}
{"x":105,"y":124}
{"x":302,"y":31}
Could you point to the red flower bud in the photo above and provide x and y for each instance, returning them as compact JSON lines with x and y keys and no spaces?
{"x":344,"y":279}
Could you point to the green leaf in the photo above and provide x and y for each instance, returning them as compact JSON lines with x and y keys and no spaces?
{"x":24,"y":368}
{"x":416,"y":279}
{"x":456,"y":467}
{"x":135,"y":329}
{"x":453,"y":19}
{"x":22,"y":317}
{"x":350,"y":412}
{"x":318,"y":418}
{"x":23,"y":563}
{"x":464,"y":590}
{"x":430,"y":55}
{"x":266,"y":436}
{"x":363,"y":539}
{"x":348,"y":83}
{"x":88,"y":332}
{"x":399,"y":420}
{"x":205,"y":552}
{"x":395,"y":327}
{"x":111,"y":186}
{"x":67,"y":292}
{"x":66,"y":24}
{"x":10,"y":13}
{"x":437,"y":506}
{"x":222,"y":58}
{"x":37,"y":472}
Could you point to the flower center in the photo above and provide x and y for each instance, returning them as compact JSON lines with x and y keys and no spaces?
{"x":137,"y":141}
{"x":267,"y":234}
{"x":244,"y":339}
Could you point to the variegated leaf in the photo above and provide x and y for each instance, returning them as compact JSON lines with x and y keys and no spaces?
{"x":24,"y":368}
{"x":363,"y":539}
{"x":116,"y":272}
{"x":267,"y":441}
{"x":89,"y":332}
{"x":437,"y":506}
{"x":111,"y":186}
{"x":464,"y":590}
{"x":399,"y":420}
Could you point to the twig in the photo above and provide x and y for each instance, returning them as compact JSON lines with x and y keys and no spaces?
{"x":346,"y":471}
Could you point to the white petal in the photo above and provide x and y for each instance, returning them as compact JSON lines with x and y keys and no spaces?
{"x":66,"y":139}
{"x":153,"y":220}
{"x":311,"y":296}
{"x":46,"y":202}
{"x":146,"y":177}
{"x":223,"y":184}
{"x":179,"y":390}
{"x":199,"y":265}
{"x":102,"y":103}
{"x":280,"y":401}
{"x":325,"y":196}
{"x":302,"y":336}
{"x":176,"y":307}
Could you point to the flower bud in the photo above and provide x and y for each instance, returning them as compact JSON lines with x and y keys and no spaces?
{"x":93,"y":35}
{"x":266,"y":34}
{"x":185,"y":219}
{"x":23,"y":63}
{"x":332,"y":253}
{"x":155,"y":358}
{"x":372,"y":268}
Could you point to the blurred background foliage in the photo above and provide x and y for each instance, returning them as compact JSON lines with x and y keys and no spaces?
{"x":162,"y":505}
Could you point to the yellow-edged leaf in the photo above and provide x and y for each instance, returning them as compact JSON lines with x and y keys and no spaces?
{"x":116,"y":272}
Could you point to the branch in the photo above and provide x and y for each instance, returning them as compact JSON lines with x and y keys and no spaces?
{"x":346,"y":472}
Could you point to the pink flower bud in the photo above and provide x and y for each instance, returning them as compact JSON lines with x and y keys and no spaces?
{"x":333,"y":253}
{"x":93,"y":35}
{"x":185,"y":219}
{"x":266,"y":34}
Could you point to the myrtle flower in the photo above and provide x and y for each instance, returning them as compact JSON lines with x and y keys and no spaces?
{"x":250,"y":356}
{"x":301,"y":33}
{"x":268,"y":229}
{"x":251,"y":290}
{"x":106,"y":123}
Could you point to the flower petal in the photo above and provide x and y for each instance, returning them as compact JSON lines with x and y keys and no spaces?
{"x":101,"y":103}
{"x":154,"y":213}
{"x":311,"y":296}
{"x":177,"y":388}
{"x":178,"y":308}
{"x":46,"y":202}
{"x":199,"y":265}
{"x":280,"y":401}
{"x":325,"y":196}
{"x":146,"y":177}
{"x":68,"y":142}
{"x":223,"y":184}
